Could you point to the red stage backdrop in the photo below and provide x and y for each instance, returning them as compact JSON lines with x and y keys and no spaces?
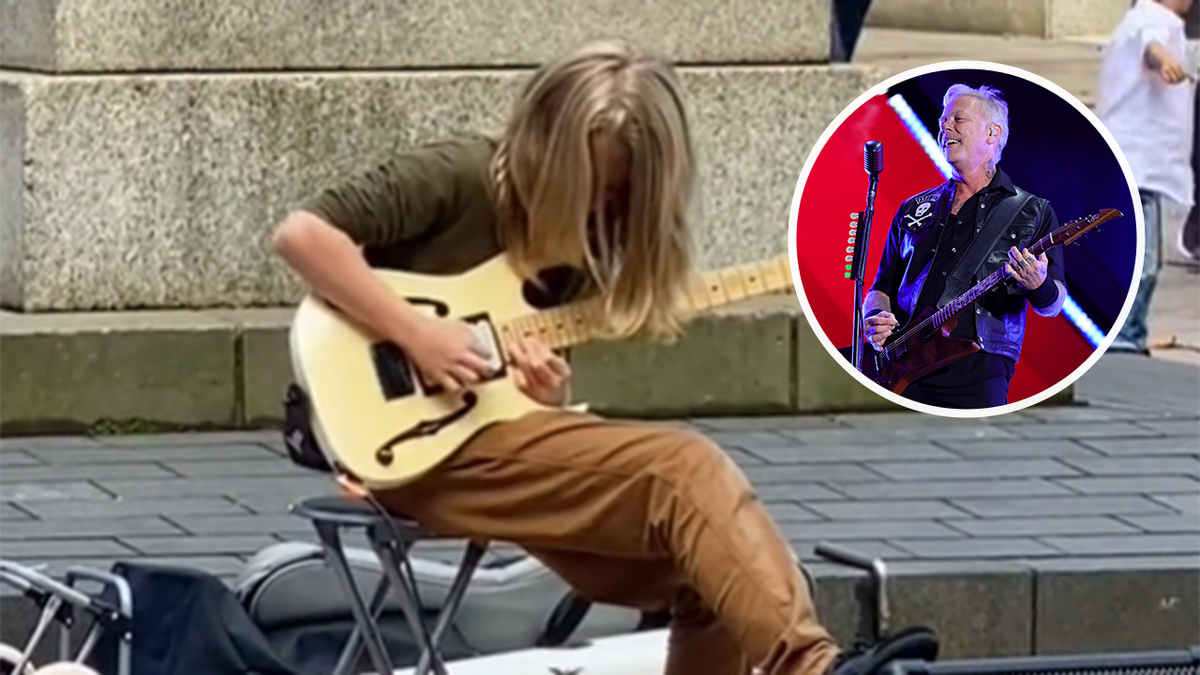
{"x":837,"y":187}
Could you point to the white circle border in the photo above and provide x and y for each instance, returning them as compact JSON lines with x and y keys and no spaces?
{"x":798,"y":284}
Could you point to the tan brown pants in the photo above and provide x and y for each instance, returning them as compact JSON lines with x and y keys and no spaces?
{"x":639,"y":515}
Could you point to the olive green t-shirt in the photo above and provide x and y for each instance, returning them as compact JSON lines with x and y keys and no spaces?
{"x":429,"y":210}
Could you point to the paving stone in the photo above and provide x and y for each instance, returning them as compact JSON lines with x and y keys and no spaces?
{"x":191,"y":439}
{"x":1017,"y":449}
{"x":40,"y":550}
{"x":874,"y":529}
{"x":57,"y":490}
{"x":1082,"y":430}
{"x":225,"y":566}
{"x":969,"y":548}
{"x":240,"y":468}
{"x":1145,"y":447}
{"x":301,"y":486}
{"x":764,"y":423}
{"x":1188,"y":505}
{"x":1087,"y":413}
{"x":10,"y":512}
{"x":241,"y":545}
{"x":1165,"y":524}
{"x":134,"y":454}
{"x":1139,"y":485}
{"x":814,"y":454}
{"x":886,"y":510}
{"x":1135,"y":544}
{"x":886,"y":436}
{"x":14,"y":457}
{"x":742,"y":457}
{"x":1042,"y":507}
{"x":874,"y":548}
{"x":796,"y":473}
{"x":942,"y":489}
{"x":135,"y":507}
{"x":1180,"y":428}
{"x":242,"y":524}
{"x":799,"y":492}
{"x":30,"y":442}
{"x":746,"y":440}
{"x":968,"y":469}
{"x":272,"y":503}
{"x":790,"y":512}
{"x":1137,"y":466}
{"x":905,"y":420}
{"x":70,"y":528}
{"x":1035,"y":527}
{"x":28,"y":474}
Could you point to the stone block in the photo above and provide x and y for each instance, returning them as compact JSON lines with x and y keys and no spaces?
{"x":978,"y":609}
{"x":130,"y":371}
{"x":266,"y":365}
{"x":1041,"y":18}
{"x":207,"y":35}
{"x":823,"y":386}
{"x":734,"y":361}
{"x":156,"y":191}
{"x":1117,"y":604}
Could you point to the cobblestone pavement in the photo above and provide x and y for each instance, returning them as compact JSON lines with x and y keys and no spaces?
{"x":1117,"y":478}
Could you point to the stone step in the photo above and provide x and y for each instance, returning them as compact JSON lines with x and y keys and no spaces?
{"x":1041,"y":18}
{"x":132,"y":372}
{"x":155,"y":191}
{"x":146,"y":35}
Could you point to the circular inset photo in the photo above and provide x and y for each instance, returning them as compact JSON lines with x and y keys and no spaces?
{"x":966,"y":239}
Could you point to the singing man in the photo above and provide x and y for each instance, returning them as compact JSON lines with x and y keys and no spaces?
{"x":944,"y":240}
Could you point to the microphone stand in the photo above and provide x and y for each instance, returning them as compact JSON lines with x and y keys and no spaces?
{"x":862,"y":240}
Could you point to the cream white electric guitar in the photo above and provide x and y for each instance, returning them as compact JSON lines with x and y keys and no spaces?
{"x":377,"y":420}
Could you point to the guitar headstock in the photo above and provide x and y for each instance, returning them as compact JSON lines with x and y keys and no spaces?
{"x":1067,"y":234}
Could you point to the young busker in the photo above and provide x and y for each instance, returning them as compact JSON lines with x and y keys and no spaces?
{"x":591,"y":180}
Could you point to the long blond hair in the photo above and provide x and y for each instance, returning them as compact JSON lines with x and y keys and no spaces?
{"x":639,"y":258}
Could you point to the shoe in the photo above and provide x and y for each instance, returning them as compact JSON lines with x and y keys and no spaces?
{"x":915,"y":643}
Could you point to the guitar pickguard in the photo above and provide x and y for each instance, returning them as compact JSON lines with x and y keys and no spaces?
{"x":398,"y":377}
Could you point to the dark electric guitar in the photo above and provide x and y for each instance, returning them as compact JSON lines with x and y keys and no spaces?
{"x":924,"y":345}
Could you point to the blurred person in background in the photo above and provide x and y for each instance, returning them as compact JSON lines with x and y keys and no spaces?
{"x":1145,"y":97}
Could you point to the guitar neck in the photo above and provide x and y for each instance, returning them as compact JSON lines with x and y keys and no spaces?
{"x":988,"y":283}
{"x":573,"y":324}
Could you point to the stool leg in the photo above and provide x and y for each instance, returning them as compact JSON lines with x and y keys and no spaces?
{"x":393,"y":553}
{"x":336,"y":558}
{"x":458,"y":590}
{"x":354,"y":644}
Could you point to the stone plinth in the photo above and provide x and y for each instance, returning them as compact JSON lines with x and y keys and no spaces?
{"x":155,"y":191}
{"x":223,"y":35}
{"x":1042,"y":18}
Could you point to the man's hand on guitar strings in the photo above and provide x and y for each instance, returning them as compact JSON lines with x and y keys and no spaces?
{"x":878,"y":328}
{"x":538,"y":372}
{"x":1029,"y":271}
{"x":447,"y":353}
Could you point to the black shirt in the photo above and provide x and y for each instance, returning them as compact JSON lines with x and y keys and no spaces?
{"x":955,"y":235}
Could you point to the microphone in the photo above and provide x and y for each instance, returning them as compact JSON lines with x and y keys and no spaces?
{"x":873,"y":157}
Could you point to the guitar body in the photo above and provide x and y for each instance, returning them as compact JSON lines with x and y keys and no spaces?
{"x":372,"y":415}
{"x":921,"y":355}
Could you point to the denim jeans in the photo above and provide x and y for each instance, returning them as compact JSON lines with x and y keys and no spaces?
{"x":1135,"y":334}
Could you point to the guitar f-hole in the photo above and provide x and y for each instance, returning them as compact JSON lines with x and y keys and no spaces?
{"x":386,"y":454}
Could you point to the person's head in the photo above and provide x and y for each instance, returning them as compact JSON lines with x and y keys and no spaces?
{"x":973,"y":128}
{"x":1180,"y":7}
{"x":595,"y":170}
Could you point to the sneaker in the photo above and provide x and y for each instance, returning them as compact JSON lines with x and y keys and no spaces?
{"x":916,"y":643}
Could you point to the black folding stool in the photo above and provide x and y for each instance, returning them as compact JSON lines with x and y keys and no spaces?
{"x":391,"y":538}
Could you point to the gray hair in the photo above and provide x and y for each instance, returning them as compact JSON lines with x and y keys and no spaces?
{"x":994,"y":107}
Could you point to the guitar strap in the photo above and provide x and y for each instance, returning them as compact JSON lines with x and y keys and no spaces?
{"x":963,"y":277}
